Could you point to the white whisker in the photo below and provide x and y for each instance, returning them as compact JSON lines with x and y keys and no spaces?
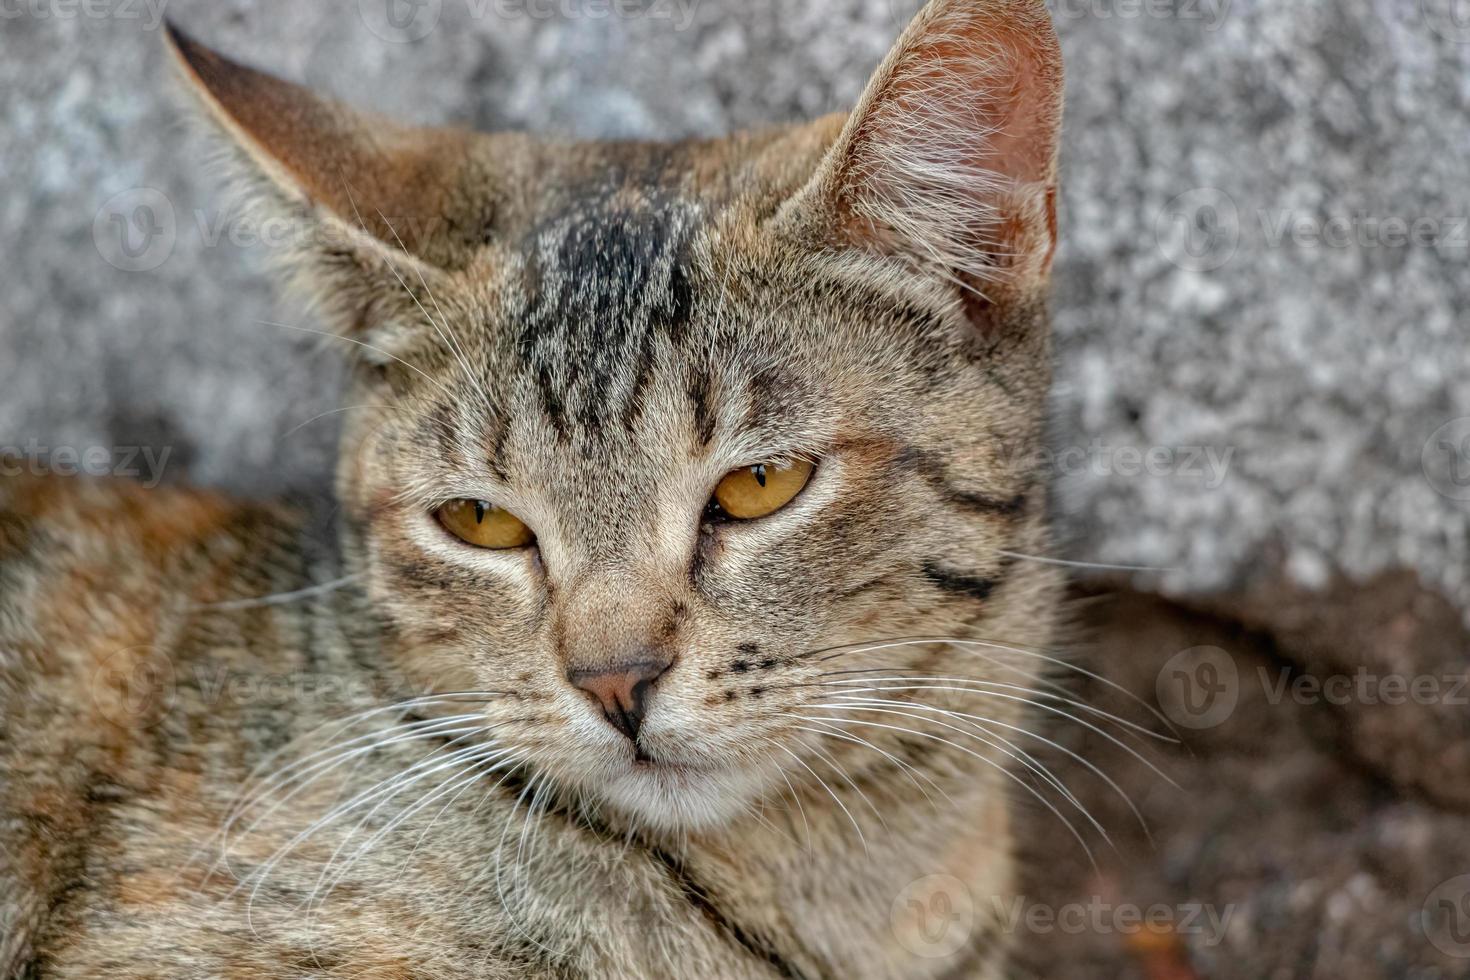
{"x":985,"y":737}
{"x":1102,"y":566}
{"x":967,"y":642}
{"x":280,"y":598}
{"x":1052,"y":709}
{"x":455,"y":781}
{"x":989,"y":762}
{"x":906,"y":768}
{"x":359,"y":343}
{"x":335,"y":411}
{"x":1057,"y":746}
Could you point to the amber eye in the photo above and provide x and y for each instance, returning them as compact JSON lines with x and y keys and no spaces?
{"x":484,"y":525}
{"x":755,"y":491}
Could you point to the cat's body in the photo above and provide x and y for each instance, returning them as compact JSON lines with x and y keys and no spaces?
{"x":587,"y":336}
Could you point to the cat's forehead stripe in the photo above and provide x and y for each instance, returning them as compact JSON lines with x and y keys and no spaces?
{"x":606,"y":278}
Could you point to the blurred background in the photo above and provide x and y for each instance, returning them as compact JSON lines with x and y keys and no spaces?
{"x":1262,"y":424}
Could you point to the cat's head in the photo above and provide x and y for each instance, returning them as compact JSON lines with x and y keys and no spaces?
{"x":658,"y":432}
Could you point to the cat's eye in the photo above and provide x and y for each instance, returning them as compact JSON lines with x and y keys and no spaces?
{"x":482,"y":524}
{"x":755,"y":491}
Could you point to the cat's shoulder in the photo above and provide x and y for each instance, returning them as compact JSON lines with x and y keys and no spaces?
{"x":93,"y":570}
{"x":88,"y":570}
{"x":76,"y":516}
{"x":86,"y":564}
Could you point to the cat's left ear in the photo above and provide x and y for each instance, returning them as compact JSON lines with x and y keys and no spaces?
{"x":365,"y":211}
{"x":949,"y":160}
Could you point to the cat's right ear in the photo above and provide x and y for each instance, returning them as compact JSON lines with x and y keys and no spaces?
{"x":367,"y":214}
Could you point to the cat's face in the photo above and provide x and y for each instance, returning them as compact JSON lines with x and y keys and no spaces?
{"x":670,"y":435}
{"x":620,"y":363}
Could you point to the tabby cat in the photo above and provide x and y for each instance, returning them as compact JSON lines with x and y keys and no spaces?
{"x":671,"y":618}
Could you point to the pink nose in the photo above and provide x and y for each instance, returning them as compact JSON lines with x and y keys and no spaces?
{"x":620,"y":691}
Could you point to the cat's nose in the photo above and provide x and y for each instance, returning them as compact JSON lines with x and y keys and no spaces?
{"x":621,"y":690}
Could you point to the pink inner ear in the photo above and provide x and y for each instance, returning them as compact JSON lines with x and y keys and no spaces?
{"x":1010,"y":121}
{"x":1022,"y":145}
{"x":953,"y":149}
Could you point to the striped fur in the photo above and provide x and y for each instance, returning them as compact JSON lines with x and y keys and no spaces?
{"x":591,"y":335}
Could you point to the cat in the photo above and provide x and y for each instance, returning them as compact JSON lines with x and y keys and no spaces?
{"x":672,"y":618}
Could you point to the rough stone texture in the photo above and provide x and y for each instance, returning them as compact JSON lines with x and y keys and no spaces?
{"x":1318,"y":371}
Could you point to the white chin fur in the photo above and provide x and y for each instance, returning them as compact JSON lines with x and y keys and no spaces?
{"x":680,"y":799}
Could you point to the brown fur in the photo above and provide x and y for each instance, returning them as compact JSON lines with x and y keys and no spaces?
{"x":590,"y":335}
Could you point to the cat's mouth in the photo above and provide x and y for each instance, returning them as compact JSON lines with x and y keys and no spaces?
{"x":672,"y":769}
{"x":646,"y":762}
{"x":668,"y":783}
